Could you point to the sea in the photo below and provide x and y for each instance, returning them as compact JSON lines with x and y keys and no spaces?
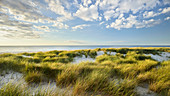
{"x":20,"y":49}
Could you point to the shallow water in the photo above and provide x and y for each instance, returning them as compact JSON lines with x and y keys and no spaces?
{"x":78,"y":60}
{"x":162,"y":57}
{"x":27,"y":56}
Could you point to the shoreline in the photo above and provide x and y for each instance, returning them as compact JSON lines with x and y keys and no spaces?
{"x":30,"y":49}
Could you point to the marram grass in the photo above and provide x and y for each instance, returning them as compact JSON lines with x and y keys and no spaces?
{"x":130,"y":65}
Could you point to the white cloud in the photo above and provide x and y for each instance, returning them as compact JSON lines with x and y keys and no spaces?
{"x":86,"y":2}
{"x":24,"y":10}
{"x":147,"y":23}
{"x":18,"y":18}
{"x":122,"y":22}
{"x":107,"y":4}
{"x":136,"y":5}
{"x":132,"y":21}
{"x":166,"y":1}
{"x":116,"y":8}
{"x":166,"y":10}
{"x":167,"y":18}
{"x":116,"y":14}
{"x":29,"y":11}
{"x":16,"y":29}
{"x":150,"y":14}
{"x":109,"y":14}
{"x":60,"y":25}
{"x":87,"y":13}
{"x":80,"y":26}
{"x":42,"y":28}
{"x":56,"y":6}
{"x":101,"y":23}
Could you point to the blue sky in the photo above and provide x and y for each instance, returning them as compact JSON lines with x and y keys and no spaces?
{"x":84,"y":22}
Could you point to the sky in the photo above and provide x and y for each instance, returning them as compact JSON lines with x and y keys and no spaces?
{"x":84,"y":22}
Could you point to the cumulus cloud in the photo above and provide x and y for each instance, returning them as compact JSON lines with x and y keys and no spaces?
{"x":166,"y":10}
{"x":60,"y":25}
{"x":113,"y":9}
{"x":57,"y":7}
{"x":35,"y":17}
{"x":101,"y":23}
{"x":147,"y":23}
{"x":22,"y":10}
{"x":167,"y":18}
{"x":42,"y":28}
{"x":20,"y":19}
{"x":137,"y":5}
{"x":122,"y":22}
{"x":80,"y":26}
{"x":14,"y":34}
{"x":86,"y":2}
{"x":87,"y":13}
{"x":16,"y":29}
{"x":150,"y":14}
{"x":109,"y":14}
{"x":132,"y":21}
{"x":166,"y":1}
{"x":107,"y":4}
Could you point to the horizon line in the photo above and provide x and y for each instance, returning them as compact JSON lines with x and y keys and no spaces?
{"x":85,"y":45}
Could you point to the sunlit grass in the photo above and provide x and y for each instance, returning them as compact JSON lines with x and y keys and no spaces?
{"x":159,"y":79}
{"x":33,"y":77}
{"x":12,"y":90}
{"x":91,"y":78}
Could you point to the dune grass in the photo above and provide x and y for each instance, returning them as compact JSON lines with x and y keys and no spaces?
{"x":12,"y":90}
{"x":18,"y":89}
{"x":159,"y":79}
{"x":131,"y":65}
{"x":33,"y":77}
{"x":95,"y":81}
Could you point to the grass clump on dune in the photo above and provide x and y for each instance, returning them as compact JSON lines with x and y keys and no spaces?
{"x":136,"y":56}
{"x":105,"y":57}
{"x":18,"y":89}
{"x":12,"y":90}
{"x":44,"y":68}
{"x":28,"y":54}
{"x":95,"y":81}
{"x":11,"y":63}
{"x":35,"y":60}
{"x":132,"y":70}
{"x":159,"y":79}
{"x":67,"y":77}
{"x":64,"y":59}
{"x":70,"y":75}
{"x":33,"y":77}
{"x":99,"y":82}
{"x":124,"y":88}
{"x":6,"y":55}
